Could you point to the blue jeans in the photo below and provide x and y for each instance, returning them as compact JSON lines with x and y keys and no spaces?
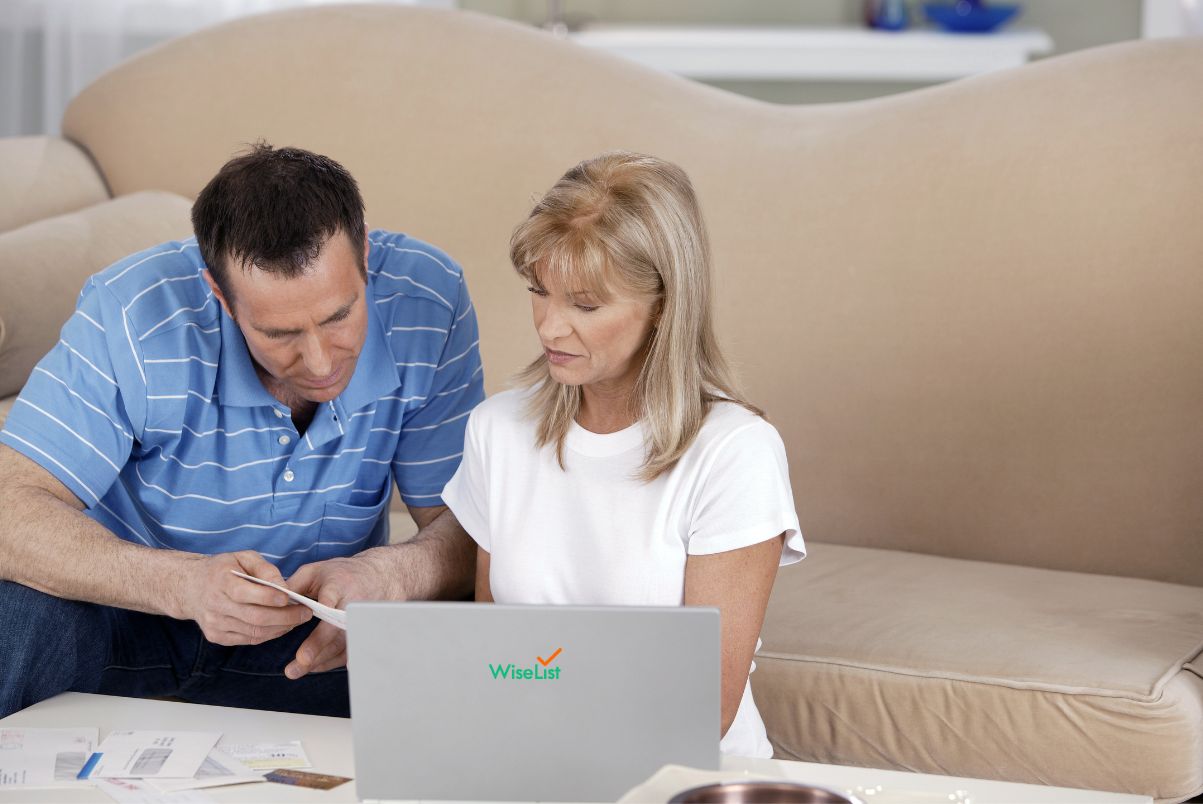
{"x":49,"y":645}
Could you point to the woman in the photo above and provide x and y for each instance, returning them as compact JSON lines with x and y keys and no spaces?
{"x":627,"y":469}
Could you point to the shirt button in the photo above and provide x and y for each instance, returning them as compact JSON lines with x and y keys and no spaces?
{"x":284,"y":440}
{"x":288,"y":475}
{"x":279,"y":415}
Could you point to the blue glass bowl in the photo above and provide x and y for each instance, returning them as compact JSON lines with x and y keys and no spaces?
{"x":966,"y":18}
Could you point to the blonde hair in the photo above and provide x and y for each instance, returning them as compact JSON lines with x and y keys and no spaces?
{"x":633,"y":221}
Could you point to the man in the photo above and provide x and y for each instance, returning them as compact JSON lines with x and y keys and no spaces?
{"x":239,"y":401}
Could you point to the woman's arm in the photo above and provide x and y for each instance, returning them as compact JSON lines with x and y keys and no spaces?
{"x":738,"y":583}
{"x":484,"y":594}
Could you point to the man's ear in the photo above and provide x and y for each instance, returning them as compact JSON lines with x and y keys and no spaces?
{"x":367,"y":246}
{"x":225,"y":304}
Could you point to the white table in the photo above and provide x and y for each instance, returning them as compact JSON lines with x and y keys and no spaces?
{"x":327,"y":741}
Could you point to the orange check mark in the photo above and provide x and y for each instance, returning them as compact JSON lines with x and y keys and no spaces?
{"x":550,"y":658}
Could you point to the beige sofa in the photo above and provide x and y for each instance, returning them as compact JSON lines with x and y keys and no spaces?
{"x":974,"y":312}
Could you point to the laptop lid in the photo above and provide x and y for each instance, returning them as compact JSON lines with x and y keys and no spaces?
{"x":495,"y":702}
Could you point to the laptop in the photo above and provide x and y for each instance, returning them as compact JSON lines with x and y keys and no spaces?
{"x":504,"y":703}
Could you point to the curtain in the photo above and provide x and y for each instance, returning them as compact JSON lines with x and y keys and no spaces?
{"x":1192,"y":15}
{"x":51,"y":49}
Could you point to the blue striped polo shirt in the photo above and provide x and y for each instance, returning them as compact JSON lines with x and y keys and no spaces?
{"x":149,"y":409}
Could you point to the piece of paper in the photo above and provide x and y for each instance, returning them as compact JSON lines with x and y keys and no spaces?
{"x":153,"y":754}
{"x":336,"y":617}
{"x":268,"y":756}
{"x":218,"y":770}
{"x":44,"y":757}
{"x":139,"y":791}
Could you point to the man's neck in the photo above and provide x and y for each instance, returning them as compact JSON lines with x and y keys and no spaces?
{"x":302,"y":409}
{"x":303,"y":415}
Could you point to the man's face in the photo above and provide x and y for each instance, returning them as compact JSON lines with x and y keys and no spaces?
{"x":305,"y":332}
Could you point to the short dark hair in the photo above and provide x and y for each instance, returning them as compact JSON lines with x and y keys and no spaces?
{"x":274,"y":209}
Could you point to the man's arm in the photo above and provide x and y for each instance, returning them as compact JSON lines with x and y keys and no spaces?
{"x":48,"y":544}
{"x":438,"y":563}
{"x":441,"y":561}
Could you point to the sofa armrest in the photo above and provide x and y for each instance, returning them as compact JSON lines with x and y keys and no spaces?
{"x":45,"y":176}
{"x":44,"y":264}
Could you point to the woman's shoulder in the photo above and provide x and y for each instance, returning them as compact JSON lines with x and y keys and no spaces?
{"x":726,"y":417}
{"x":731,"y":425}
{"x":503,"y":409}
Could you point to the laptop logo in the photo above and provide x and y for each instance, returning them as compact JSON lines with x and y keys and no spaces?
{"x":542,"y":671}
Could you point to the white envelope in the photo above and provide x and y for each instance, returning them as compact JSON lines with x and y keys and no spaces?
{"x":218,"y":770}
{"x":44,"y":757}
{"x":153,"y":754}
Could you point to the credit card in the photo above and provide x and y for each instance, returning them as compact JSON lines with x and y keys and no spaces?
{"x":318,"y":781}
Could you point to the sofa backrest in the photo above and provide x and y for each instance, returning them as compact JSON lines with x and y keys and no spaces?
{"x":974,"y":312}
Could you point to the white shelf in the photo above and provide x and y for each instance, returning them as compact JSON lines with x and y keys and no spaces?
{"x":815,"y":54}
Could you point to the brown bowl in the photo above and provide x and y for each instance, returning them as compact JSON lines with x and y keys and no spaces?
{"x":761,"y":793}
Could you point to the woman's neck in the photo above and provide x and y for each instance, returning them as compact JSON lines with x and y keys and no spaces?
{"x":607,"y":408}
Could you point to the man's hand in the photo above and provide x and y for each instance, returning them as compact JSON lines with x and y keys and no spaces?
{"x":232,"y":610}
{"x":437,"y":563}
{"x":335,"y":583}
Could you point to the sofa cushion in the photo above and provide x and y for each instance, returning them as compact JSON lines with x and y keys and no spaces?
{"x":6,"y":404}
{"x":889,"y":659}
{"x":45,"y":176}
{"x":43,"y":266}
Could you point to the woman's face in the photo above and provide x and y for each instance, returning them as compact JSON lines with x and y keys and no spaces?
{"x":588,"y":341}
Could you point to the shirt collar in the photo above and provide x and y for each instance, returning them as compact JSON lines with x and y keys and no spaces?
{"x":375,"y":372}
{"x":237,"y":382}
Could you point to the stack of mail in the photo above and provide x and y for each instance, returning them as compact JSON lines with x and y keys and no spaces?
{"x":137,"y":766}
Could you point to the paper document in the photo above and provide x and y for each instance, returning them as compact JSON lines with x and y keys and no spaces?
{"x":336,"y":617}
{"x":218,"y":770}
{"x":152,"y":754}
{"x":138,"y":791}
{"x":268,"y":756}
{"x":44,"y":757}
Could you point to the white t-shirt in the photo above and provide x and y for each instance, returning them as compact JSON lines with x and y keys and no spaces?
{"x":594,"y":534}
